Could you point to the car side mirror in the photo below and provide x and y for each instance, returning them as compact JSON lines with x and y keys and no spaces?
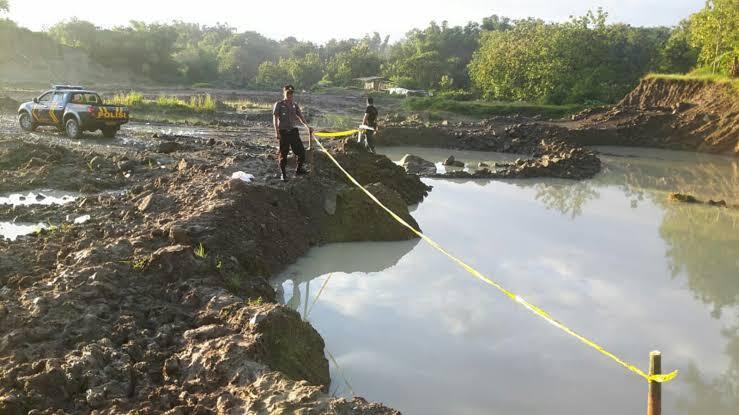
{"x":35,"y":100}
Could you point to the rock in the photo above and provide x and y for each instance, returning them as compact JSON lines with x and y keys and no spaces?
{"x":179,"y":235}
{"x":482,"y":165}
{"x":416,"y":165}
{"x":171,"y":368}
{"x":680,"y":107}
{"x":40,"y":197}
{"x":34,"y":162}
{"x":145,"y":203}
{"x":95,"y":398}
{"x":167,"y":147}
{"x":176,"y":261}
{"x":685,"y":198}
{"x":452,"y":162}
{"x":329,"y":204}
{"x":127,"y":165}
{"x":182,"y":165}
{"x":719,"y":203}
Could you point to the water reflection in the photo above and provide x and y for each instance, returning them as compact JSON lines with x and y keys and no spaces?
{"x":719,"y":396}
{"x":364,"y":257}
{"x":703,"y":243}
{"x":609,"y":256}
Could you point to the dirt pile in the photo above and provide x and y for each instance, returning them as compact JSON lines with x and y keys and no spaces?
{"x":8,"y":104}
{"x":552,"y":155}
{"x":686,"y":198}
{"x":665,"y":113}
{"x":555,"y":159}
{"x":160,"y":303}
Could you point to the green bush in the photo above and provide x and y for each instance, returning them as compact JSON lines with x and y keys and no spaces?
{"x":482,"y":109}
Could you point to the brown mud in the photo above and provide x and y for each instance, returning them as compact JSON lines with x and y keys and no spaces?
{"x":160,"y":303}
{"x":671,"y":114}
{"x":549,"y":152}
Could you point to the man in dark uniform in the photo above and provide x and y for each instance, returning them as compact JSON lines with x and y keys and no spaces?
{"x":286,"y":116}
{"x":370,"y":120}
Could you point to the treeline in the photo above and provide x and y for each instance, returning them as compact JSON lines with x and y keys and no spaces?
{"x":582,"y":60}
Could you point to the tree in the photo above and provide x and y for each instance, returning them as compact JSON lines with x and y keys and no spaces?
{"x":715,"y":31}
{"x":357,"y":62}
{"x":678,"y":55}
{"x":424,"y":56}
{"x":272,"y":75}
{"x":76,"y":33}
{"x":4,"y":7}
{"x":579,"y":61}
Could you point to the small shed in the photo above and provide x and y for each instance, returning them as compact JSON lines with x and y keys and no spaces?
{"x":373,"y":83}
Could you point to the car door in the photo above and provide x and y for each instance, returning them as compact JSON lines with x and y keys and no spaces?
{"x":40,"y":110}
{"x":56,"y":108}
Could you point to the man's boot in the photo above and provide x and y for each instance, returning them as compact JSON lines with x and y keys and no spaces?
{"x":300,"y":171}
{"x":283,"y":176}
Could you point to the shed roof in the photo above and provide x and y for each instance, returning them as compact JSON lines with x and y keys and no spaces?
{"x":371,"y":78}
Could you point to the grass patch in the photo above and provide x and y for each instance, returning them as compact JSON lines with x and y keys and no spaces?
{"x":166,"y":104}
{"x":698,"y":75}
{"x":336,"y":122}
{"x":482,"y":109}
{"x":247,"y":104}
{"x":199,"y":251}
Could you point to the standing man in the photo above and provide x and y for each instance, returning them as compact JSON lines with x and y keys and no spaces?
{"x":370,"y":120}
{"x":286,"y":116}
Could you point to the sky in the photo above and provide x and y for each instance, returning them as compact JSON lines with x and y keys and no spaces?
{"x":321,"y":20}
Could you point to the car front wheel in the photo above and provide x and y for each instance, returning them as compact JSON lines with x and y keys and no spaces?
{"x":73,"y":128}
{"x":26,"y":122}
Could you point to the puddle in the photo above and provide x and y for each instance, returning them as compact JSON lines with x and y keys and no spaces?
{"x":610,"y":256}
{"x":10,"y":230}
{"x":38,"y":197}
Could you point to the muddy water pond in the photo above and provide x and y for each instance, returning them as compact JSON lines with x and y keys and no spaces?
{"x":610,"y":257}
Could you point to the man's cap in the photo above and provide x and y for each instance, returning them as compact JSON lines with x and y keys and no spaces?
{"x":288,"y":88}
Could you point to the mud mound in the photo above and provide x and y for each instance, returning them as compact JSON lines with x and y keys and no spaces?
{"x":666,"y":113}
{"x":28,"y":165}
{"x":370,"y":168}
{"x":8,"y":104}
{"x":160,"y":303}
{"x":553,"y":159}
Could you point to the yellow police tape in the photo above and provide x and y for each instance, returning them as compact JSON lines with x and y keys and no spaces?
{"x":660,"y":378}
{"x":338,"y":134}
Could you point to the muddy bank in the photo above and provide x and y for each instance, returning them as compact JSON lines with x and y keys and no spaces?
{"x":160,"y":302}
{"x":671,"y":114}
{"x":550,"y":153}
{"x":687,"y":198}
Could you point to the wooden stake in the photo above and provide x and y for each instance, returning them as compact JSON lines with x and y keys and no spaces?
{"x":654,"y":396}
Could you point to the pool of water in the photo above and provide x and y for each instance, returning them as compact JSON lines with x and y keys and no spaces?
{"x":39,"y":197}
{"x":610,"y":257}
{"x":12,"y":230}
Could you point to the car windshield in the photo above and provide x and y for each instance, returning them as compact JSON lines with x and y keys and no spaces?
{"x":84,"y":98}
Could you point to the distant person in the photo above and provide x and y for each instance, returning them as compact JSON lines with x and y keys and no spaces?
{"x":370,"y":120}
{"x":286,"y":116}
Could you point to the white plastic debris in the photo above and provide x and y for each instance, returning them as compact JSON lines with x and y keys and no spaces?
{"x":243,"y":176}
{"x":82,"y":219}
